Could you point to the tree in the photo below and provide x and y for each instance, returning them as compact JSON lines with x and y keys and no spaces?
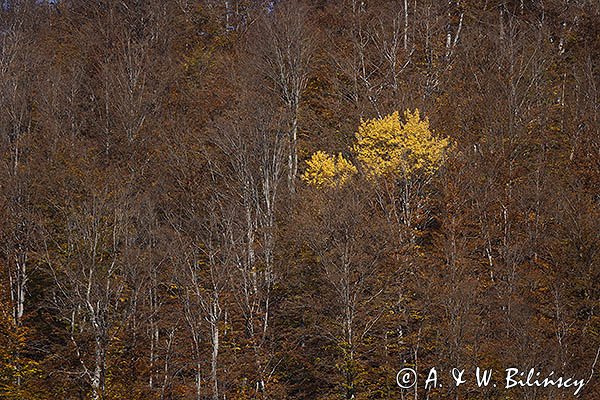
{"x":402,"y":155}
{"x":351,"y":257}
{"x":91,"y":289}
{"x":285,"y":48}
{"x":387,"y":146}
{"x":326,"y":170}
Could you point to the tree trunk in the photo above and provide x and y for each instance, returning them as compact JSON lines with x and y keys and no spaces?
{"x":293,"y":152}
{"x":214,"y":359}
{"x":98,"y":380}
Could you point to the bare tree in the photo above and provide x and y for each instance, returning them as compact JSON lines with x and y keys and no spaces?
{"x":351,"y":255}
{"x":254,"y":158}
{"x":285,"y":48}
{"x":205,"y":258}
{"x":16,"y":73}
{"x":91,"y":290}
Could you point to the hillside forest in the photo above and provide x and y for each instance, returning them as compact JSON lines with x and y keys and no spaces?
{"x":235,"y":199}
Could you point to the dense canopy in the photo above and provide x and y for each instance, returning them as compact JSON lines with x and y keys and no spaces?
{"x":208,"y":199}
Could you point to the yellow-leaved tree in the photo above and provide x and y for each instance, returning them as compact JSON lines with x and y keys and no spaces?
{"x":386,"y":146}
{"x":389,"y":146}
{"x":328,"y":170}
{"x":400,"y":155}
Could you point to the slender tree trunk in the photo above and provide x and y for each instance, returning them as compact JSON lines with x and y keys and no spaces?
{"x":154,"y":333}
{"x":99,"y":370}
{"x":293,"y":152}
{"x":163,"y":389}
{"x":214,"y":359}
{"x":405,"y":24}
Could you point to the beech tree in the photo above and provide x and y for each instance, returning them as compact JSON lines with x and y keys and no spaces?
{"x":285,"y":49}
{"x":353,"y":271}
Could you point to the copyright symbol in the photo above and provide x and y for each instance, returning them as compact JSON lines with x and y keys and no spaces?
{"x":406,"y":378}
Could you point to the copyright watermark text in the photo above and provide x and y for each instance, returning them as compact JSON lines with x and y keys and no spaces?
{"x":509,"y":378}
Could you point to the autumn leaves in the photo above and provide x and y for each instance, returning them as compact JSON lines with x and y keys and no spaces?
{"x":386,"y":146}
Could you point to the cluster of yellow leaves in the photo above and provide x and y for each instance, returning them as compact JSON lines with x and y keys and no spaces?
{"x":384,"y":146}
{"x":388,"y":146}
{"x":328,"y":170}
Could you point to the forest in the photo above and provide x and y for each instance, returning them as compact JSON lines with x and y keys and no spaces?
{"x":289,"y":199}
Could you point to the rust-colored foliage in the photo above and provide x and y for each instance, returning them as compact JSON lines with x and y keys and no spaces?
{"x":296,"y":199}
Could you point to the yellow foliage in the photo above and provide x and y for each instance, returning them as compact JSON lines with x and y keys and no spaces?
{"x":388,"y":146}
{"x":384,"y":146}
{"x":328,"y":170}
